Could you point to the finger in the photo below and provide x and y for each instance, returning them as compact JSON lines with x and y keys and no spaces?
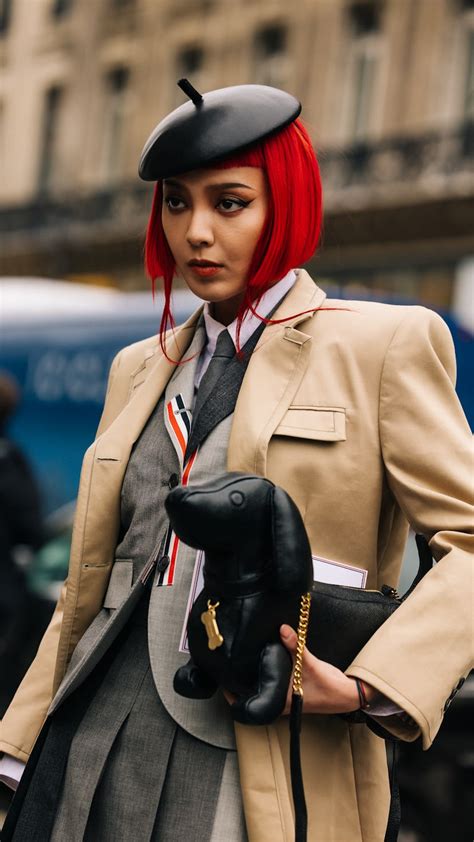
{"x":288,"y":638}
{"x":229,"y":697}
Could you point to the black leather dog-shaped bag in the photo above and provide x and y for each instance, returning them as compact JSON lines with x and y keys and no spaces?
{"x":257,"y":565}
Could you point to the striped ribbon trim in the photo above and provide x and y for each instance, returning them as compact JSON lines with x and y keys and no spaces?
{"x":178,"y":423}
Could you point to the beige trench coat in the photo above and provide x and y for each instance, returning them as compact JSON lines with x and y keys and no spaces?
{"x":352,"y":410}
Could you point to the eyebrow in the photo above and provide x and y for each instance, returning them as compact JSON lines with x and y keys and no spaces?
{"x":225,"y":185}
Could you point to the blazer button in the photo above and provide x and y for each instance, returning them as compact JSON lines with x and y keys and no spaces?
{"x":163,"y":563}
{"x":173,"y":481}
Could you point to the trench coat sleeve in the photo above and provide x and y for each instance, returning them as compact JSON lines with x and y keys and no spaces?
{"x":421,"y":655}
{"x":24,"y":718}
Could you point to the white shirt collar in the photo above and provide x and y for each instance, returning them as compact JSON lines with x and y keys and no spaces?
{"x":251,"y":322}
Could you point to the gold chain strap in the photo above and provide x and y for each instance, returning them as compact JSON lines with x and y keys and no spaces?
{"x":303,"y":623}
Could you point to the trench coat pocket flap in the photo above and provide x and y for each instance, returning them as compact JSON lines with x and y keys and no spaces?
{"x":120,"y":583}
{"x":321,"y":423}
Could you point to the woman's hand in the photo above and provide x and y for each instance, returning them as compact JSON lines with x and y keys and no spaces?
{"x":326,"y":688}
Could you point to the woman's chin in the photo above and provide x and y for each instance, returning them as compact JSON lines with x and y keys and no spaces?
{"x":214,"y":290}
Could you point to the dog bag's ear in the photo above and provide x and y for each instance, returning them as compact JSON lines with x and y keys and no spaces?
{"x":291,"y":549}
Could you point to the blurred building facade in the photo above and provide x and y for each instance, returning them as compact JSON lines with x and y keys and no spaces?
{"x":387,"y":88}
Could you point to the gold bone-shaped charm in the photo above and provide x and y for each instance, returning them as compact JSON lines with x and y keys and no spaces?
{"x":208,"y":617}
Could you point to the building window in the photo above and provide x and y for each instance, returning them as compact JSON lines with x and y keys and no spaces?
{"x":61,"y":8}
{"x":364,"y":73}
{"x":365,"y":17}
{"x":190,"y":61}
{"x":115,"y":122}
{"x":189,"y":64}
{"x":47,"y":172}
{"x":469,"y":83}
{"x":271,"y":61}
{"x":2,"y":135}
{"x":5,"y":15}
{"x":363,"y":68}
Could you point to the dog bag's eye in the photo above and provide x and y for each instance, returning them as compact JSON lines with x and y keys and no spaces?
{"x":237,"y":498}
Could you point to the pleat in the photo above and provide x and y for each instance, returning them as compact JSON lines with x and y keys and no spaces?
{"x":190,"y":794}
{"x":127,"y":799}
{"x":98,"y":732}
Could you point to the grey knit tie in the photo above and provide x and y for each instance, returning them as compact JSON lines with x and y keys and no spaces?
{"x":224,"y":352}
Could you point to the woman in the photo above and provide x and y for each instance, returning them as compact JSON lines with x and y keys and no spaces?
{"x":351,"y":409}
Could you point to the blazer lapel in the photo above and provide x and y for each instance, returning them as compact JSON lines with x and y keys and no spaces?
{"x":274,"y":374}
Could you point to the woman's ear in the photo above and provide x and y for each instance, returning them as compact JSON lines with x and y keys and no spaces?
{"x":291,"y":550}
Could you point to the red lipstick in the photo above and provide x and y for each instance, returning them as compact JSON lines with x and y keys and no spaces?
{"x":204,"y":268}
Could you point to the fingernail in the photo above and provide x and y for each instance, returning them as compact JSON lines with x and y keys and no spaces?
{"x":285,"y":632}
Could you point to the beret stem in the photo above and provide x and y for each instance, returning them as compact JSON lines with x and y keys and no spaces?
{"x":190,"y":91}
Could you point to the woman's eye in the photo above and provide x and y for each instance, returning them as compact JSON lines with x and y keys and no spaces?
{"x":237,"y":203}
{"x":173,"y":202}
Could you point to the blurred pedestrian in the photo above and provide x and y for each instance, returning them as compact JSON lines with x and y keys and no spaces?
{"x":20,"y":527}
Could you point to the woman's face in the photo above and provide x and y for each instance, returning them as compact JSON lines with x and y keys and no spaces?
{"x":215,"y":216}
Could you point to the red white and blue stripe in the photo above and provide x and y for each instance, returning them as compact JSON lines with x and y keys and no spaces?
{"x":178,"y":423}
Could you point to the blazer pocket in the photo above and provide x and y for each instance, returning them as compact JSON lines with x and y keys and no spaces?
{"x":120,"y":583}
{"x":321,"y":423}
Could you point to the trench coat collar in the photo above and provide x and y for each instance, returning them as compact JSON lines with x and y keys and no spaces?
{"x":279,"y":360}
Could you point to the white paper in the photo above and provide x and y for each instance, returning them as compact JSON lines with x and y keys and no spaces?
{"x":338,"y":573}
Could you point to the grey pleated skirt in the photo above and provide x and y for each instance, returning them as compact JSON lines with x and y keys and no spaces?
{"x":130,"y":773}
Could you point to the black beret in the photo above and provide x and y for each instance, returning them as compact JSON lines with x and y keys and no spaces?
{"x":214,"y":125}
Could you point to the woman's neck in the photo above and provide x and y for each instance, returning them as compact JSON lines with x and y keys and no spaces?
{"x":225,"y":312}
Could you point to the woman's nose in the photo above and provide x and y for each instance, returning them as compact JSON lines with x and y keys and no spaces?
{"x":200,"y":230}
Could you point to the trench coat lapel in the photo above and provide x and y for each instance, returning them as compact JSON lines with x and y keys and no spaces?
{"x":119,"y":438}
{"x":113,"y":447}
{"x":275,"y":371}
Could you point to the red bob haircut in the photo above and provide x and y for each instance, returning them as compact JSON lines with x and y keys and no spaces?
{"x":290,"y":233}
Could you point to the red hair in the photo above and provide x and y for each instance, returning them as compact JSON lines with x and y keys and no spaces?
{"x":291,"y":230}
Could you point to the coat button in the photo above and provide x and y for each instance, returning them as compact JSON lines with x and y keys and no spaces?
{"x":173,"y":481}
{"x":163,"y":563}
